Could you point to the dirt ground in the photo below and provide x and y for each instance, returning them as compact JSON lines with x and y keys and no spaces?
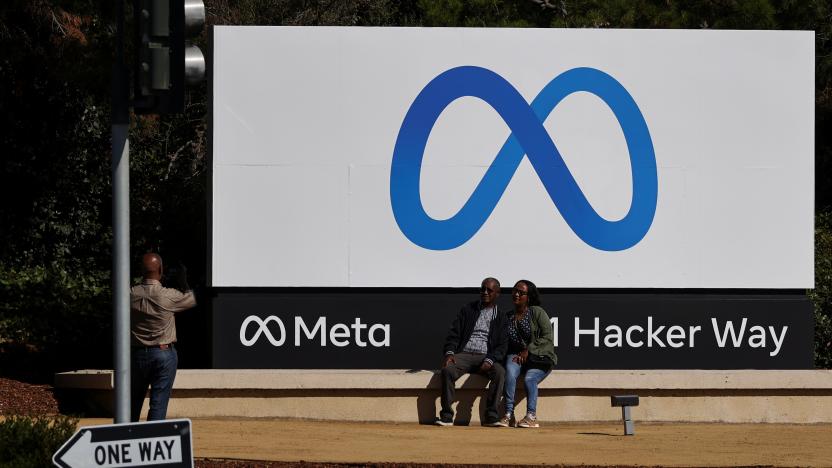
{"x":564,"y":444}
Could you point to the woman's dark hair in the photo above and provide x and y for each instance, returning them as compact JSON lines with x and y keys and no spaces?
{"x":534,"y":296}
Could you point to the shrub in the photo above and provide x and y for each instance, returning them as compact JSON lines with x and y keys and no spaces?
{"x":822,"y":294}
{"x":31,"y":441}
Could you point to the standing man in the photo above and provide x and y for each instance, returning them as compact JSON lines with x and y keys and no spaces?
{"x":476,"y":343}
{"x":153,"y":330}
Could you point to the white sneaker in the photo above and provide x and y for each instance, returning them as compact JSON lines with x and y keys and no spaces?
{"x":530,"y":420}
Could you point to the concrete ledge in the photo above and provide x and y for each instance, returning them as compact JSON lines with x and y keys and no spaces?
{"x":789,"y":396}
{"x":288,"y":379}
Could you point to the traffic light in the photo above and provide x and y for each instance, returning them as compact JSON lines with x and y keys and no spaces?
{"x":165,"y":61}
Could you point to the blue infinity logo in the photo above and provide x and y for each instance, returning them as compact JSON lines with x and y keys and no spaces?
{"x":528,"y":137}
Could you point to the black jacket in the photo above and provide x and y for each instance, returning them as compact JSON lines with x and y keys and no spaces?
{"x":463,"y":326}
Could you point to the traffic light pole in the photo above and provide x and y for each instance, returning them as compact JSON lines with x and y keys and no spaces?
{"x":120,"y":117}
{"x":164,"y":65}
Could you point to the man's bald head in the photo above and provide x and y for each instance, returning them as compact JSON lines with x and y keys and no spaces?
{"x":152,"y":266}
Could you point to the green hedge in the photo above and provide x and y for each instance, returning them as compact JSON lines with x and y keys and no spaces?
{"x":31,"y":441}
{"x":822,"y":294}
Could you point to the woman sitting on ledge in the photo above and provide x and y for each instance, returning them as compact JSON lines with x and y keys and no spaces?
{"x":531,"y":349}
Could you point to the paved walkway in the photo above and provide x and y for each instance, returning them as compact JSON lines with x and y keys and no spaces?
{"x":567,"y":444}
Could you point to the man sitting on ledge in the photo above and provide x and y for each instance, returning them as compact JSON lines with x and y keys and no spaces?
{"x":476,"y":343}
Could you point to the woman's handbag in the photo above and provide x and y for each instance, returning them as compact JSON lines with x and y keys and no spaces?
{"x":536,"y":361}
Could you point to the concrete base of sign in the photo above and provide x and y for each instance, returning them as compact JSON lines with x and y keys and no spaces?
{"x":736,"y":396}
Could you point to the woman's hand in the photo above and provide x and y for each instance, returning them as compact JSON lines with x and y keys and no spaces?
{"x":522,"y":356}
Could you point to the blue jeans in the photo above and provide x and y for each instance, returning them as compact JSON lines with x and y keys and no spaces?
{"x":156,"y":368}
{"x":533,"y":378}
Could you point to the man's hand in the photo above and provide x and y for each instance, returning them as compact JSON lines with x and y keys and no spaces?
{"x":449,"y":359}
{"x":485,"y":366}
{"x":182,"y":278}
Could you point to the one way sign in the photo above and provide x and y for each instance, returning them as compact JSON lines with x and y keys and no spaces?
{"x":157,"y":443}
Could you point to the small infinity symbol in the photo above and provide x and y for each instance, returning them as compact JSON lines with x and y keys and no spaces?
{"x":262,"y":329}
{"x":528,"y":137}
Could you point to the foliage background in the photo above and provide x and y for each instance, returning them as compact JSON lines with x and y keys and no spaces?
{"x":55,"y":235}
{"x":30,"y":441}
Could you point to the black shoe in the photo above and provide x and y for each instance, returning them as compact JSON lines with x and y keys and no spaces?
{"x":444,"y":422}
{"x":494,"y":422}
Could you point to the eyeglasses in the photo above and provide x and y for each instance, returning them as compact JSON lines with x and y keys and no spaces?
{"x":484,"y":289}
{"x":517,"y":292}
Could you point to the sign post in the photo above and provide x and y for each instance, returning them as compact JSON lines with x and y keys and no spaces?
{"x":166,"y":443}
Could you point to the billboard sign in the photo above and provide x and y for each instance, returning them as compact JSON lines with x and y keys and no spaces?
{"x":405,"y":157}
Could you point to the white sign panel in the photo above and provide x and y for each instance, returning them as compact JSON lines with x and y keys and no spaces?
{"x":399,"y":157}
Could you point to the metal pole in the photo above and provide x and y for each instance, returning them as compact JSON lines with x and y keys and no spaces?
{"x":121,"y":227}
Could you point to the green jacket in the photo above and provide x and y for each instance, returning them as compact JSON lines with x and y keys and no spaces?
{"x":543,"y":336}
